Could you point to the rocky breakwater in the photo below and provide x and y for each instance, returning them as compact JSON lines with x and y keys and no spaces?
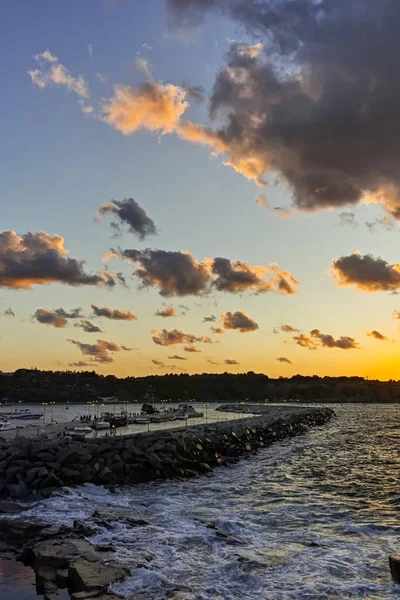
{"x":31,"y":469}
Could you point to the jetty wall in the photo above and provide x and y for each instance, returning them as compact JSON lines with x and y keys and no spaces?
{"x":34,"y":468}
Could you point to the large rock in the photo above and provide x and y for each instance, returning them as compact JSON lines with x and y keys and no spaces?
{"x":85,"y":576}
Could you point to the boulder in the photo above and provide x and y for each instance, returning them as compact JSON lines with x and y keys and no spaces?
{"x":85,"y":576}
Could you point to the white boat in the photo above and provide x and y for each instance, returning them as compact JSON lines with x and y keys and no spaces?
{"x":101,"y":425}
{"x":24,"y":413}
{"x":143,"y":420}
{"x":80,"y":433}
{"x":190,"y":410}
{"x":182,"y":417}
{"x":163,"y":417}
{"x":6,"y":426}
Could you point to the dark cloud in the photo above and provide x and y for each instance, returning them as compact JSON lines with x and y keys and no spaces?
{"x":177,"y":357}
{"x":114,"y":314}
{"x":231,"y":361}
{"x":210,"y":319}
{"x":184,"y":308}
{"x":282,"y":359}
{"x":39,"y":258}
{"x":378,"y":336}
{"x":56,"y":318}
{"x":328,"y":341}
{"x":130,"y":213}
{"x":212,"y":362}
{"x":174,"y":273}
{"x":240,"y":277}
{"x":366,"y":273}
{"x":9,"y":312}
{"x":158,"y":363}
{"x":217,"y":330}
{"x":179,"y":274}
{"x":305,"y":341}
{"x":319,"y":106}
{"x":88,"y":326}
{"x":191,"y":349}
{"x":98,"y":352}
{"x":80,"y":363}
{"x":383,"y":224}
{"x":239,"y":320}
{"x":348,"y":218}
{"x":175,"y":336}
{"x":285,"y":329}
{"x":167,"y":311}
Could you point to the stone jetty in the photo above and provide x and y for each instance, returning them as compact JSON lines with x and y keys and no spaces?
{"x":34,"y":468}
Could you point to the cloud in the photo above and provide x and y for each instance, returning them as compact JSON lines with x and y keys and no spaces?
{"x":231,"y":361}
{"x":191,"y":349}
{"x":282,"y":359}
{"x":177,"y":273}
{"x":158,"y":363}
{"x":316,"y":106}
{"x":114,"y":314}
{"x":384,"y":224}
{"x":167,"y":311}
{"x":53,"y":72}
{"x":328,"y":341}
{"x":39,"y":258}
{"x":240,"y":277}
{"x":9,"y":312}
{"x":212,"y":362}
{"x":88,"y":326}
{"x":129,"y":213}
{"x":153,"y":106}
{"x":175,"y":336}
{"x":210,"y":319}
{"x":98,"y":352}
{"x":56,"y":318}
{"x":305,"y":341}
{"x":348,"y":218}
{"x":177,"y":357}
{"x":174,"y":273}
{"x":90,"y":50}
{"x":238,"y":320}
{"x":285,"y":329}
{"x":396,"y":314}
{"x":80,"y":363}
{"x":127,"y":348}
{"x":366,"y":273}
{"x":378,"y":336}
{"x":263,"y":201}
{"x":217,"y":330}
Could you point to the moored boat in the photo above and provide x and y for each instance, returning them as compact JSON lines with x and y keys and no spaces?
{"x":100,"y":425}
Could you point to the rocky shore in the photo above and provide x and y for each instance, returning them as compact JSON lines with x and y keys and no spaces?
{"x":63,"y":557}
{"x":31,"y":469}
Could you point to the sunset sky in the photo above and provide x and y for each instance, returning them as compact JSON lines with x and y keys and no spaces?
{"x":200,"y":186}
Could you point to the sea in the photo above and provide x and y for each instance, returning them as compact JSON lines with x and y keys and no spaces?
{"x":312,"y":517}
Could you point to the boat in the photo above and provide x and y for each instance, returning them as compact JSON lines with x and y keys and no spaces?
{"x":143,"y":419}
{"x":181,"y":416}
{"x":191,"y":412}
{"x":115,"y":419}
{"x":24,"y":413}
{"x":101,"y":425}
{"x":80,"y":433}
{"x":6,"y":426}
{"x":163,"y":417}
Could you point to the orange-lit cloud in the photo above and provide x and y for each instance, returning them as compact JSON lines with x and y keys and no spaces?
{"x":175,"y":336}
{"x":238,"y":320}
{"x":56,"y":318}
{"x":114,"y":314}
{"x":53,"y":72}
{"x":377,"y":335}
{"x":101,"y":351}
{"x":166,"y":311}
{"x":366,"y":273}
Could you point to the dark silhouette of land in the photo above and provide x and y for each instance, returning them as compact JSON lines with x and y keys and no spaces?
{"x":32,"y":385}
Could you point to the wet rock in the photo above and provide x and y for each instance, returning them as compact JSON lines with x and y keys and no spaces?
{"x":394,"y":564}
{"x":85,"y":576}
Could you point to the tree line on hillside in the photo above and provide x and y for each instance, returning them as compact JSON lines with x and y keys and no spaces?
{"x":33,"y":385}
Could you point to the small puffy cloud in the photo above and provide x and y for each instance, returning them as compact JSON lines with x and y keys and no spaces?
{"x":88,"y":326}
{"x":212,"y":362}
{"x":174,"y":273}
{"x":231,"y":361}
{"x":283,"y":359}
{"x":114,"y":314}
{"x":191,"y":349}
{"x":9,"y":312}
{"x":285,"y":329}
{"x":56,"y":318}
{"x":366,"y":273}
{"x":328,"y":341}
{"x":238,"y":320}
{"x":348,"y":219}
{"x":175,"y":336}
{"x":39,"y":258}
{"x":130,"y":213}
{"x":262,"y":200}
{"x":210,"y":319}
{"x":378,"y":336}
{"x":240,"y":277}
{"x":156,"y":107}
{"x":177,"y":357}
{"x":305,"y":341}
{"x":167,"y":311}
{"x":217,"y":330}
{"x":53,"y":72}
{"x":80,"y":363}
{"x":158,"y":363}
{"x":127,"y":348}
{"x":100,"y":352}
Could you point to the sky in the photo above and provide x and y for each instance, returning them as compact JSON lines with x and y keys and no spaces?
{"x":200,"y":186}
